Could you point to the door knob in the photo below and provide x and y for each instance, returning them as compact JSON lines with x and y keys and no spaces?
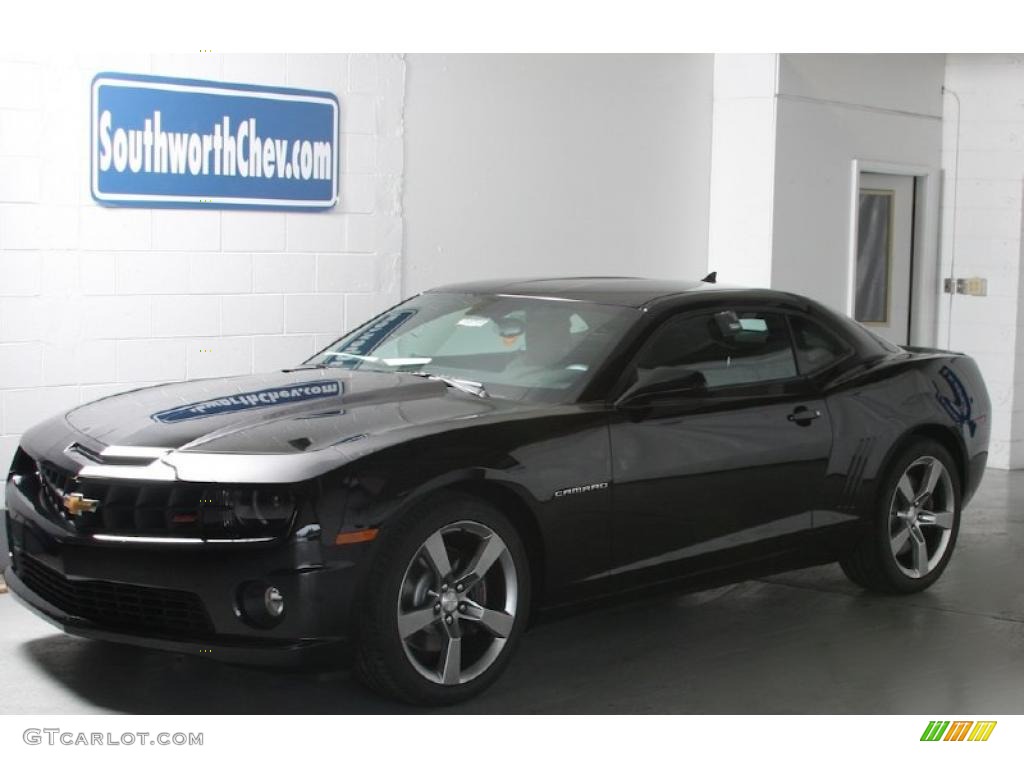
{"x":803,"y":415}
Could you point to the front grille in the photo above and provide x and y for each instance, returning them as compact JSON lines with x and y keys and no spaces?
{"x":53,"y":482}
{"x":158,"y":509}
{"x":117,"y":606}
{"x":153,"y":508}
{"x":22,"y":464}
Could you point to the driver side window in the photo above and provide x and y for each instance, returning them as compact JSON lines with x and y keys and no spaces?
{"x":720,"y":349}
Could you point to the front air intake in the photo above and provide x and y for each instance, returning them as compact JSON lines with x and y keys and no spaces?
{"x":117,"y":606}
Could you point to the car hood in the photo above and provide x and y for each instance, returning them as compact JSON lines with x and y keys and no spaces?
{"x":285,"y":412}
{"x":278,"y":427}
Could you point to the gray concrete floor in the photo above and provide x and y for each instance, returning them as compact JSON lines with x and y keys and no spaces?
{"x":804,"y":642}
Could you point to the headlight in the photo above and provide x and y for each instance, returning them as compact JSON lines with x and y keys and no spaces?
{"x":264,"y":507}
{"x":246,"y":512}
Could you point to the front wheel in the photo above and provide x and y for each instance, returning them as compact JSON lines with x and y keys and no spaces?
{"x":915,"y":524}
{"x":446,"y":601}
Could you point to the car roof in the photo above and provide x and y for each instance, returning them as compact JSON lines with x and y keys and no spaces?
{"x":621,"y":291}
{"x":666,"y":295}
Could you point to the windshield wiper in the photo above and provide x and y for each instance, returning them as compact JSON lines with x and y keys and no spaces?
{"x":463,"y":385}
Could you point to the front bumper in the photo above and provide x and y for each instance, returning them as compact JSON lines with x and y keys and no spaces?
{"x":238,"y":650}
{"x":102,"y":584}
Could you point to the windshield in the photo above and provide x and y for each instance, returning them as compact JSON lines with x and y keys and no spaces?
{"x":515,"y":346}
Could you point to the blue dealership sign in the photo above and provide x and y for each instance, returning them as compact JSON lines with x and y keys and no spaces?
{"x":175,"y":143}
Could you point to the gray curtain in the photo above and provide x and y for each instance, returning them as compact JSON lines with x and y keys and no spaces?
{"x":874,"y":220}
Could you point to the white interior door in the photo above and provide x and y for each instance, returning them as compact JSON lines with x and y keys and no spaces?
{"x":885,"y":248}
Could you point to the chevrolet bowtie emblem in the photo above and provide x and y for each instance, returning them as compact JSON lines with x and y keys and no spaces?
{"x":75,"y":504}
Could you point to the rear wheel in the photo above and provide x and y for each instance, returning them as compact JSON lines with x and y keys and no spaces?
{"x":915,"y":523}
{"x":446,"y":601}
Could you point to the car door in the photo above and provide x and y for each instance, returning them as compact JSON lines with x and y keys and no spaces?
{"x":730,"y":467}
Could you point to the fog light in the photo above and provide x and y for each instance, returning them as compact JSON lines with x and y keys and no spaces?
{"x":273,"y":601}
{"x":260,"y":604}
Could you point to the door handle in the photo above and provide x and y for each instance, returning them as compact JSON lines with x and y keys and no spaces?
{"x":803,"y":415}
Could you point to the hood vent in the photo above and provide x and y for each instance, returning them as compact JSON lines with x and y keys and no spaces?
{"x":121,"y":462}
{"x":118,"y":455}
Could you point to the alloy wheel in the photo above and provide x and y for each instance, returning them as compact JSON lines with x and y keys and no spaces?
{"x":921,"y":517}
{"x":457,"y":603}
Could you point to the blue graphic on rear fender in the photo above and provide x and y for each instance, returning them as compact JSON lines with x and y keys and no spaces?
{"x":959,"y":407}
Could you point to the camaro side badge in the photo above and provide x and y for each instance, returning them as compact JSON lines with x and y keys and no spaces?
{"x":580,"y":489}
{"x":959,"y":407}
{"x":75,"y":504}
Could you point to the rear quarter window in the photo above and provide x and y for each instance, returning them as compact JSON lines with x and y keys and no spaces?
{"x":816,"y":347}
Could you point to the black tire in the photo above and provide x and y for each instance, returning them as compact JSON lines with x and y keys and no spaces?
{"x":872,"y":564}
{"x":381,"y":661}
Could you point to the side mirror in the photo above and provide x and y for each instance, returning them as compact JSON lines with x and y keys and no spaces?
{"x":662,"y":382}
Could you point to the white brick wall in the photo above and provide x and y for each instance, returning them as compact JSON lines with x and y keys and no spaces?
{"x":988,"y":233}
{"x":97,"y":300}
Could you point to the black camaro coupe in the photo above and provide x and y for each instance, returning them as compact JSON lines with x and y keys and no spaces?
{"x":482,"y":455}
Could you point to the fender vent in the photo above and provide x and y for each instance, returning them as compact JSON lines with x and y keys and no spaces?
{"x":855,"y":474}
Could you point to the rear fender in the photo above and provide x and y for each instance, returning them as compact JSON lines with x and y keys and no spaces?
{"x":876,"y":413}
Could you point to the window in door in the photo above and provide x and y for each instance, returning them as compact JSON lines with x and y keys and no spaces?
{"x":874,"y":255}
{"x":721,"y":349}
{"x":883,"y":272}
